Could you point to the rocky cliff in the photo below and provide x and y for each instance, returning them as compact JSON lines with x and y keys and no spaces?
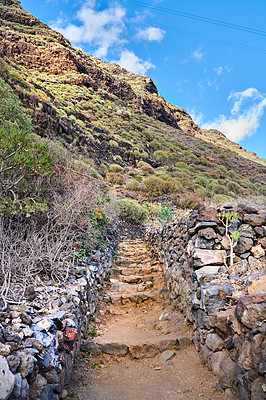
{"x":113,"y":116}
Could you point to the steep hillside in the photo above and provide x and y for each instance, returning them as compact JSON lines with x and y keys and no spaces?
{"x":137,"y":139}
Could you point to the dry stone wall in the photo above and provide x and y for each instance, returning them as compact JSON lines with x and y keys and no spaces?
{"x":40,"y":338}
{"x":226,"y":305}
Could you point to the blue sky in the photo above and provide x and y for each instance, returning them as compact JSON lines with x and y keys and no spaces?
{"x":222,"y":85}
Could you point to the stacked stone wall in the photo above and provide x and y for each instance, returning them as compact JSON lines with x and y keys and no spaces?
{"x":40,"y":337}
{"x":226,"y":305}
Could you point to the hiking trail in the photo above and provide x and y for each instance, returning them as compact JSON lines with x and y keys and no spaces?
{"x":143,"y":349}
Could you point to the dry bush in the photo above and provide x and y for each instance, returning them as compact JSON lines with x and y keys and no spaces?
{"x":45,"y":245}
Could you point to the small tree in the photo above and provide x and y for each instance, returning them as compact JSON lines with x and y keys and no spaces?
{"x":227,"y":220}
{"x":24,"y":160}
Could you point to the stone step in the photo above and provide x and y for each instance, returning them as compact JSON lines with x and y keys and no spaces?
{"x":134,"y":297}
{"x":137,"y":350}
{"x":136,"y":278}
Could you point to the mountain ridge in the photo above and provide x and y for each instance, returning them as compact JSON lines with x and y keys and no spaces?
{"x":112,"y":115}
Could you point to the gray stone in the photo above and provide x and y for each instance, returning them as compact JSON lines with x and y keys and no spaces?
{"x":206,"y":271}
{"x":166,"y":344}
{"x":202,"y":243}
{"x":24,"y":390}
{"x":258,"y":251}
{"x":90,"y":347}
{"x":146,"y":350}
{"x":204,"y":354}
{"x":215,"y":360}
{"x":115,"y":348}
{"x":214,"y":342}
{"x":183,"y":342}
{"x":257,"y":392}
{"x":246,"y":231}
{"x":7,"y":379}
{"x":27,"y":363}
{"x":13,"y":362}
{"x":249,"y":314}
{"x":243,"y":245}
{"x":245,"y":360}
{"x":4,"y":349}
{"x":17,"y":387}
{"x":227,"y":376}
{"x":207,"y":233}
{"x":255,"y":219}
{"x":208,"y":257}
{"x":37,"y":387}
{"x":214,"y":296}
{"x":202,"y":225}
{"x":166,"y":355}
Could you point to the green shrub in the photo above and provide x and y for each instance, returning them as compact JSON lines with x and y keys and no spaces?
{"x":231,"y":174}
{"x":115,"y":168}
{"x":133,"y":185}
{"x":234,"y":187}
{"x":131,"y":211}
{"x":156,"y":186}
{"x":24,"y":162}
{"x":160,"y":155}
{"x":155,"y":144}
{"x":113,"y":143}
{"x":202,"y":181}
{"x":147,"y":168}
{"x":119,"y":158}
{"x":203,"y":161}
{"x":11,"y":109}
{"x":115,"y":178}
{"x":181,"y":164}
{"x":220,"y":199}
{"x":221,"y":189}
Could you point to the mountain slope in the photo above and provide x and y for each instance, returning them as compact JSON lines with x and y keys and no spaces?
{"x":114,"y":116}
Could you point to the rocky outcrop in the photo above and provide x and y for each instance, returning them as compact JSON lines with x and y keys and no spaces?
{"x":226,"y":305}
{"x":40,"y":338}
{"x":29,"y":43}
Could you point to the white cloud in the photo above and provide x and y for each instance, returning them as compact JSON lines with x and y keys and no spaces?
{"x":240,"y":97}
{"x":245,"y":114}
{"x":197,"y":117}
{"x":151,"y":34}
{"x":133,"y":63}
{"x":197,"y":54}
{"x":103,"y":28}
{"x":221,"y":69}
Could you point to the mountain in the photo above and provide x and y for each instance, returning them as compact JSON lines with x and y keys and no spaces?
{"x":118,"y":120}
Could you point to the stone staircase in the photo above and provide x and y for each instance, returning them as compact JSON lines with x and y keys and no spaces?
{"x":140,"y":338}
{"x":145,"y":325}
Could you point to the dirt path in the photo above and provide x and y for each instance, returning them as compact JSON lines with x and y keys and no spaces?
{"x":143,"y":349}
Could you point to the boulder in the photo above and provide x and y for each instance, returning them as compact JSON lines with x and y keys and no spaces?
{"x":258,"y":285}
{"x":208,"y":257}
{"x":214,"y":342}
{"x":246,"y":231}
{"x":27,"y":363}
{"x":258,"y":389}
{"x":243,"y":245}
{"x":249,"y":312}
{"x":166,"y":355}
{"x":90,"y":347}
{"x":7,"y":379}
{"x":257,"y":251}
{"x":255,"y":219}
{"x":206,"y":271}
